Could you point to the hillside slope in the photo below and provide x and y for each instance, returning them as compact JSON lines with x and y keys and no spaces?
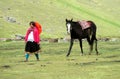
{"x":15,"y":16}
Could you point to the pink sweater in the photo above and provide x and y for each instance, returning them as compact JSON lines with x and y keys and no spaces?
{"x":35,"y":34}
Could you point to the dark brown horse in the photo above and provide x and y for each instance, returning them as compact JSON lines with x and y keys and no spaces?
{"x":76,"y":32}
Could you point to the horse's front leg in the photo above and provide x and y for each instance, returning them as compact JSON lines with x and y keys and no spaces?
{"x":80,"y":41}
{"x":71,"y":44}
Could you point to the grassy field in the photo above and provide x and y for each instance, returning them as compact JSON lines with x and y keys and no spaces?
{"x":54,"y":64}
{"x":52,"y":14}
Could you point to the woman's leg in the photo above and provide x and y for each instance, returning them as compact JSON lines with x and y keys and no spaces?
{"x":26,"y":56}
{"x":37,"y":56}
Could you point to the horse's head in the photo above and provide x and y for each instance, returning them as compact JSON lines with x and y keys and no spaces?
{"x":68,"y":25}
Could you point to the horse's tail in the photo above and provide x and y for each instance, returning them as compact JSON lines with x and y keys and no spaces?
{"x":93,"y":27}
{"x":93,"y":31}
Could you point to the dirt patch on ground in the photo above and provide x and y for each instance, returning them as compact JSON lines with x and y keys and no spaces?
{"x":112,"y":56}
{"x":6,"y":66}
{"x":116,"y":61}
{"x":85,"y":63}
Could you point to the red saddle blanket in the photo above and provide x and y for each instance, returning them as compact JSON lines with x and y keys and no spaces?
{"x":84,"y":24}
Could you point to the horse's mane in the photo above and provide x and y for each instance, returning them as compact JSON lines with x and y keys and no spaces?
{"x":74,"y":22}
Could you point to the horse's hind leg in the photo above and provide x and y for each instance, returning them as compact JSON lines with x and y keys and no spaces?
{"x":90,"y":44}
{"x":96,"y":47}
{"x":91,"y":49}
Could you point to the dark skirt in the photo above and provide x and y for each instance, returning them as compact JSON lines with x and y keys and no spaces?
{"x":31,"y":47}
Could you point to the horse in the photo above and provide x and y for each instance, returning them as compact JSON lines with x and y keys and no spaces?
{"x":75,"y":30}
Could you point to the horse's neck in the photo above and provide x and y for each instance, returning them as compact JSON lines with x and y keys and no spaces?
{"x":74,"y":22}
{"x":75,"y":25}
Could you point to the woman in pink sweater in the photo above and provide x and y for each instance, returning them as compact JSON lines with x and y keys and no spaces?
{"x":32,"y":40}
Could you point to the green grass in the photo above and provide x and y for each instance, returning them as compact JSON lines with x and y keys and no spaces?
{"x":52,"y":14}
{"x":54,"y":64}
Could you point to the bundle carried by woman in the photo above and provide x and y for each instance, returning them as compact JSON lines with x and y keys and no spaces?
{"x":38,"y":26}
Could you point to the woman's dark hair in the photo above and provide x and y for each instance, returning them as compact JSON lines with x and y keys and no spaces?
{"x":32,"y":22}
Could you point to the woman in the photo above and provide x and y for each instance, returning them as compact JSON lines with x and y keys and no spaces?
{"x":32,"y":40}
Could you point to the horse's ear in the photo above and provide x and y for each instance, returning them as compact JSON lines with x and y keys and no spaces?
{"x":66,"y":20}
{"x":72,"y":19}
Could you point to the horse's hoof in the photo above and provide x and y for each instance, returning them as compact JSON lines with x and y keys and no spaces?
{"x":67,"y":55}
{"x":81,"y":54}
{"x":89,"y":53}
{"x":98,"y":54}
